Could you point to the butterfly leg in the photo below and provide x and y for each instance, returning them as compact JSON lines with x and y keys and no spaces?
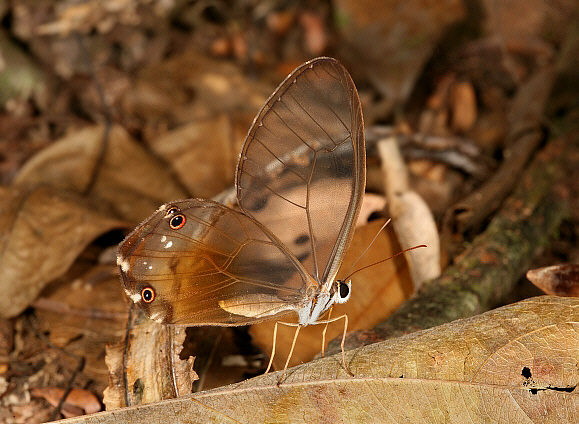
{"x":289,"y":324}
{"x":342,"y":345}
{"x":325,"y":330}
{"x":298,"y":328}
{"x":272,"y":347}
{"x":327,"y":321}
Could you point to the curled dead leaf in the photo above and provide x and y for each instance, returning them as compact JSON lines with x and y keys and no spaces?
{"x":202,"y":154}
{"x":559,"y":280}
{"x":412,"y":219}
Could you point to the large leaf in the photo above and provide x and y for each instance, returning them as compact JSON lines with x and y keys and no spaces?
{"x":513,"y":364}
{"x":43,"y":231}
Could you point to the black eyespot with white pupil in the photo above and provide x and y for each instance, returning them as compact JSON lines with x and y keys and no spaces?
{"x":177,"y":222}
{"x":344,"y":290}
{"x":148,"y":294}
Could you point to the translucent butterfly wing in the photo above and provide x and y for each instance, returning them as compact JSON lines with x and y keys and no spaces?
{"x":220,"y":268}
{"x":302,"y":169}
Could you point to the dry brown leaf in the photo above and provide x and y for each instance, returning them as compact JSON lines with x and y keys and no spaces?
{"x":202,"y":154}
{"x":514,"y":364}
{"x":522,"y":22}
{"x":391,"y":44}
{"x":162,"y":93}
{"x":376,"y":292}
{"x":43,"y":233}
{"x":130,"y":182}
{"x":559,"y":280}
{"x":77,"y":402}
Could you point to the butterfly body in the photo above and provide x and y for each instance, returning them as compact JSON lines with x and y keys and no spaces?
{"x":300,"y":180}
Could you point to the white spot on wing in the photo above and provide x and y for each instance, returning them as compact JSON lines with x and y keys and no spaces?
{"x":119,"y":259}
{"x":169,"y":244}
{"x":125,"y":265}
{"x":163,"y":239}
{"x":135,"y":297}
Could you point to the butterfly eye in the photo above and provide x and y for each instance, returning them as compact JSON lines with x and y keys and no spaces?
{"x":344,"y":290}
{"x":148,"y":294}
{"x":177,"y":222}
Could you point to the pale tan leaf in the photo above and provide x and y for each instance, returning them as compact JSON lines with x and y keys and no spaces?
{"x":515,"y":364}
{"x":43,"y":231}
{"x":370,"y":203}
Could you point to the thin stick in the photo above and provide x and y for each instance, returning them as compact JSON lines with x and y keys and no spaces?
{"x":209,"y":361}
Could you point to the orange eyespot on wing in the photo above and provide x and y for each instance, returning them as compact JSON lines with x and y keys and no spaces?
{"x":177,"y":222}
{"x":148,"y":294}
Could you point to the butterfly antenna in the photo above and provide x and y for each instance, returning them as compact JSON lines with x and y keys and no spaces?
{"x":384,"y":260}
{"x":370,"y":245}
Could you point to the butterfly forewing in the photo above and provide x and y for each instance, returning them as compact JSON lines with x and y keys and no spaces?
{"x":219,"y":268}
{"x":302,"y":169}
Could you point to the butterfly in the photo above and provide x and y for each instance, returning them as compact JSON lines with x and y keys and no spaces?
{"x":300,"y":181}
